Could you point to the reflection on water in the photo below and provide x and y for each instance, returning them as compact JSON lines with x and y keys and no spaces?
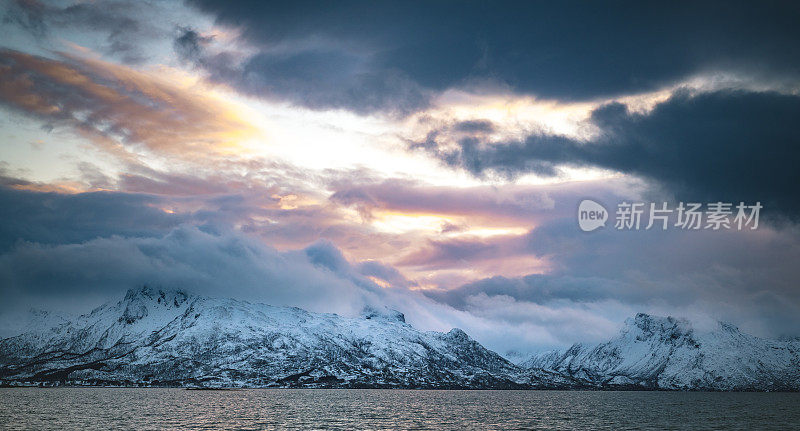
{"x":157,"y":409}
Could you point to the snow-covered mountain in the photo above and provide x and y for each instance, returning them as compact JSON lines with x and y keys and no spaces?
{"x":156,"y":337}
{"x":163,"y":337}
{"x":667,"y":353}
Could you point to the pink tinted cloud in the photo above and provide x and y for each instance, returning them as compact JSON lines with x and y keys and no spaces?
{"x":117,"y":107}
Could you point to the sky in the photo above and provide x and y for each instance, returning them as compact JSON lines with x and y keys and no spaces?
{"x":428,"y":157}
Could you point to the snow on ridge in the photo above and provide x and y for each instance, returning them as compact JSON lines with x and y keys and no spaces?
{"x":669,"y":353}
{"x":156,"y":336}
{"x":170,"y":337}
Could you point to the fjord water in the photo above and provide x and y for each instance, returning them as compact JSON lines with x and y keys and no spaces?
{"x":158,"y":409}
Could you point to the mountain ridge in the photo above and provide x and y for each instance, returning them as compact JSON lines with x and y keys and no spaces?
{"x":666,"y":353}
{"x":170,"y":337}
{"x":167,"y":337}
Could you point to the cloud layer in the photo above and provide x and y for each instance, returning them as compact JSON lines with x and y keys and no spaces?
{"x":70,"y":269}
{"x":389,"y":56}
{"x":725,"y":146}
{"x":119,"y":108}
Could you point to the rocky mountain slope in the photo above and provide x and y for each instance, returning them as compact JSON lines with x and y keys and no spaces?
{"x":666,"y":353}
{"x":158,"y":337}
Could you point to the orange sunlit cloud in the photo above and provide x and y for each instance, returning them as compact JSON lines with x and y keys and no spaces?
{"x":116,"y":104}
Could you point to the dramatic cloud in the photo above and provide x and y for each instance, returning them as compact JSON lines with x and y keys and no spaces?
{"x":731,"y":276}
{"x":727,"y":145}
{"x":89,"y":247}
{"x":118,"y":107}
{"x":469,"y":232}
{"x":55,"y":218}
{"x":388,"y":56}
{"x":72,"y":268}
{"x":226,"y":264}
{"x":96,"y":245}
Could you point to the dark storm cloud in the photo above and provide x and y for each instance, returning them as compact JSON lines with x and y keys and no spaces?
{"x":56,"y":218}
{"x":563,"y":50}
{"x":320,"y":78}
{"x":728,"y":145}
{"x":224,"y":263}
{"x":93,"y":245}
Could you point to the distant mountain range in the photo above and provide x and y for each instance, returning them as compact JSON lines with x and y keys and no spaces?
{"x":667,"y":353}
{"x":156,"y":337}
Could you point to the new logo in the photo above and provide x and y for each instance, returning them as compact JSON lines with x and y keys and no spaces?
{"x":591,"y":215}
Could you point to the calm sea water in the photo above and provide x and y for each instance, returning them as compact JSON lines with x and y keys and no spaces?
{"x":158,"y":409}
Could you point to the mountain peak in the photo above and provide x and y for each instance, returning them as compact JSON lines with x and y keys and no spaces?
{"x":146,"y":341}
{"x":142,"y":301}
{"x":728,"y":327}
{"x":385,"y":313}
{"x":667,"y":353}
{"x":650,"y":324}
{"x":166,"y":297}
{"x":458,"y":334}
